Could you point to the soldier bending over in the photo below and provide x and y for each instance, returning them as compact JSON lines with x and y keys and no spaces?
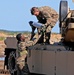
{"x":47,"y":17}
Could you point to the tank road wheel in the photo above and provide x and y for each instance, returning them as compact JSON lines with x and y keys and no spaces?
{"x":63,"y":10}
{"x":12,"y":63}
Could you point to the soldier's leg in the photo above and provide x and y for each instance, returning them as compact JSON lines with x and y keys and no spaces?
{"x":41,"y":39}
{"x":48,"y":34}
{"x":47,"y":37}
{"x":18,"y":70}
{"x":25,"y":69}
{"x":32,"y":33}
{"x":20,"y":62}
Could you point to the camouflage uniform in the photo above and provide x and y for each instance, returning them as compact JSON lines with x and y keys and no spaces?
{"x":21,"y":59}
{"x":23,"y":54}
{"x":47,"y":17}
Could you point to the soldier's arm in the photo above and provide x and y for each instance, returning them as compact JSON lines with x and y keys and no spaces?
{"x":48,"y":17}
{"x":29,"y":43}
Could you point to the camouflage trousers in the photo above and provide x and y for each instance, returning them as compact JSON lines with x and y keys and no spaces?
{"x":21,"y":59}
{"x":45,"y":36}
{"x":48,"y":32}
{"x":49,"y":28}
{"x":22,"y":66}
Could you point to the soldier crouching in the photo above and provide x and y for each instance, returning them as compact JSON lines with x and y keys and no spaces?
{"x":22,"y":58}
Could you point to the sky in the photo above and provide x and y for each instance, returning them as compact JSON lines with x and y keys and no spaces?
{"x":15,"y":14}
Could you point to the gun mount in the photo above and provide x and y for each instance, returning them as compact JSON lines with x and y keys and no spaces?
{"x":66,"y":22}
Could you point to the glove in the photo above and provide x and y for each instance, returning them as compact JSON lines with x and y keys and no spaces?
{"x":43,"y":29}
{"x":30,"y":22}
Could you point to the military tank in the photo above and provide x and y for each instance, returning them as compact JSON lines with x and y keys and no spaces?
{"x":56,"y":59}
{"x":53,"y":59}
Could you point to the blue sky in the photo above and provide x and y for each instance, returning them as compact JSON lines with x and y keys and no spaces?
{"x":15,"y":14}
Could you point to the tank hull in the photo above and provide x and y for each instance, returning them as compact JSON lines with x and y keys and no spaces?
{"x":56,"y":60}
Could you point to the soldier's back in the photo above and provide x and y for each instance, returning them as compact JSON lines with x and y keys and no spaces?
{"x":47,"y":9}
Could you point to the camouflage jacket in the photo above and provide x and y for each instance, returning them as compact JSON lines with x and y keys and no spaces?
{"x":22,"y":45}
{"x":47,"y":15}
{"x":22,"y":48}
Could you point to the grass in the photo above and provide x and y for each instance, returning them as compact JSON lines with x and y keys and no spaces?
{"x":2,"y":38}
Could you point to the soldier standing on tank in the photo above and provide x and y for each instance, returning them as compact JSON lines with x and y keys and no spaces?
{"x":22,"y":59}
{"x":48,"y":17}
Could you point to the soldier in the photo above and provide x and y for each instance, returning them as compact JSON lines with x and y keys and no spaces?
{"x":48,"y":17}
{"x":22,"y":59}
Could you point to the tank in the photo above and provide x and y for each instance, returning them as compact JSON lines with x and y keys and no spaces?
{"x":52,"y":59}
{"x":55,"y":59}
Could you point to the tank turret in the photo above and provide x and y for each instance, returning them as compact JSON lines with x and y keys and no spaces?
{"x":66,"y":21}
